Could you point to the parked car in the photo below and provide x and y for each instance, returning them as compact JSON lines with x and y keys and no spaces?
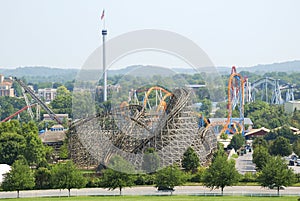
{"x":274,"y":187}
{"x":298,"y":162}
{"x":294,"y":157}
{"x":165,"y":188}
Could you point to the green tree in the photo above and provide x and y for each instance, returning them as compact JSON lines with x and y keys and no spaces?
{"x":49,"y":154}
{"x":63,"y":101}
{"x":190,"y":160}
{"x":260,"y":156}
{"x":169,"y":177}
{"x":237,"y":141}
{"x":276,"y":174}
{"x":19,"y":178}
{"x":265,"y":115}
{"x":17,"y":139}
{"x":221,"y":173}
{"x":119,"y":175}
{"x":223,"y":136}
{"x":42,"y":178}
{"x":286,"y":132}
{"x":281,"y":146}
{"x":34,"y":152}
{"x":206,"y":107}
{"x":296,"y":147}
{"x":259,"y":141}
{"x":150,"y":161}
{"x":63,"y":151}
{"x":11,"y":146}
{"x":67,"y":176}
{"x":17,"y":88}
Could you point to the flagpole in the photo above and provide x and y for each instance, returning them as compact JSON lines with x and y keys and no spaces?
{"x":104,"y":23}
{"x":104,"y":33}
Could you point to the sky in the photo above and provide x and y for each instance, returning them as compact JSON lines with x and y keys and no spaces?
{"x":63,"y":33}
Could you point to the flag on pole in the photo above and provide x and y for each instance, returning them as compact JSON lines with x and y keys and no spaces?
{"x":102,"y":16}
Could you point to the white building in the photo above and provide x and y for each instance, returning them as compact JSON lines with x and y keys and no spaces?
{"x":48,"y":94}
{"x":6,"y":87}
{"x":290,"y":106}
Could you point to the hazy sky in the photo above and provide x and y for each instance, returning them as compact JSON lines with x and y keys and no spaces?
{"x":63,"y":33}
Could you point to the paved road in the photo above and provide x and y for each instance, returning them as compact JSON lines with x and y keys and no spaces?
{"x":244,"y":163}
{"x":181,"y":190}
{"x":295,"y":168}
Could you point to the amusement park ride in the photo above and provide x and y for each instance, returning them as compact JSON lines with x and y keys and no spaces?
{"x":166,"y":123}
{"x":28,"y":106}
{"x":235,"y":100}
{"x":156,"y":117}
{"x":270,"y":90}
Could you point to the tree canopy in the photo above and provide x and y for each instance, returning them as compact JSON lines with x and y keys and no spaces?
{"x":237,"y":141}
{"x":17,"y":139}
{"x":275,"y":174}
{"x":67,"y":176}
{"x":19,"y":178}
{"x":190,"y":160}
{"x":260,"y":156}
{"x":221,"y":172}
{"x":119,"y":175}
{"x":296,"y":147}
{"x":63,"y":101}
{"x":281,"y":146}
{"x":169,"y":177}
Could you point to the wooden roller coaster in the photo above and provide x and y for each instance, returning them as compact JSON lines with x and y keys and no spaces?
{"x":129,"y":130}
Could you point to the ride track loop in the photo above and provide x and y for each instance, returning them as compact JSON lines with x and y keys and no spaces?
{"x":235,"y":94}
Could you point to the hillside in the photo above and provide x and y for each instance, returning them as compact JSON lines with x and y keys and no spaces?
{"x":42,"y":74}
{"x":289,"y":67}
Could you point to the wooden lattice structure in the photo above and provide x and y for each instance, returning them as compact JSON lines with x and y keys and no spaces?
{"x":128,"y":131}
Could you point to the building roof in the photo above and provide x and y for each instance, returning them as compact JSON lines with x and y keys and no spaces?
{"x":291,"y":128}
{"x":6,"y":83}
{"x":247,"y":121}
{"x":57,"y":126}
{"x":297,"y":133}
{"x":254,"y":131}
{"x":294,"y":102}
{"x":53,"y":136}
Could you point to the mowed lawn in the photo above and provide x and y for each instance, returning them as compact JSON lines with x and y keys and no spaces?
{"x":160,"y":198}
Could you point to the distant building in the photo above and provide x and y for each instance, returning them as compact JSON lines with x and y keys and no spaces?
{"x":6,"y":87}
{"x":195,"y":86}
{"x":54,"y":137}
{"x":290,"y":106}
{"x":259,"y":132}
{"x":116,"y":88}
{"x":48,"y":94}
{"x":222,"y":121}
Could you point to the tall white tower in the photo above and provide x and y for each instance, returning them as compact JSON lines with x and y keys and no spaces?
{"x":104,"y":33}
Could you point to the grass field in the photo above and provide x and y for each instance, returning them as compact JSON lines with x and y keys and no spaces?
{"x":160,"y":198}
